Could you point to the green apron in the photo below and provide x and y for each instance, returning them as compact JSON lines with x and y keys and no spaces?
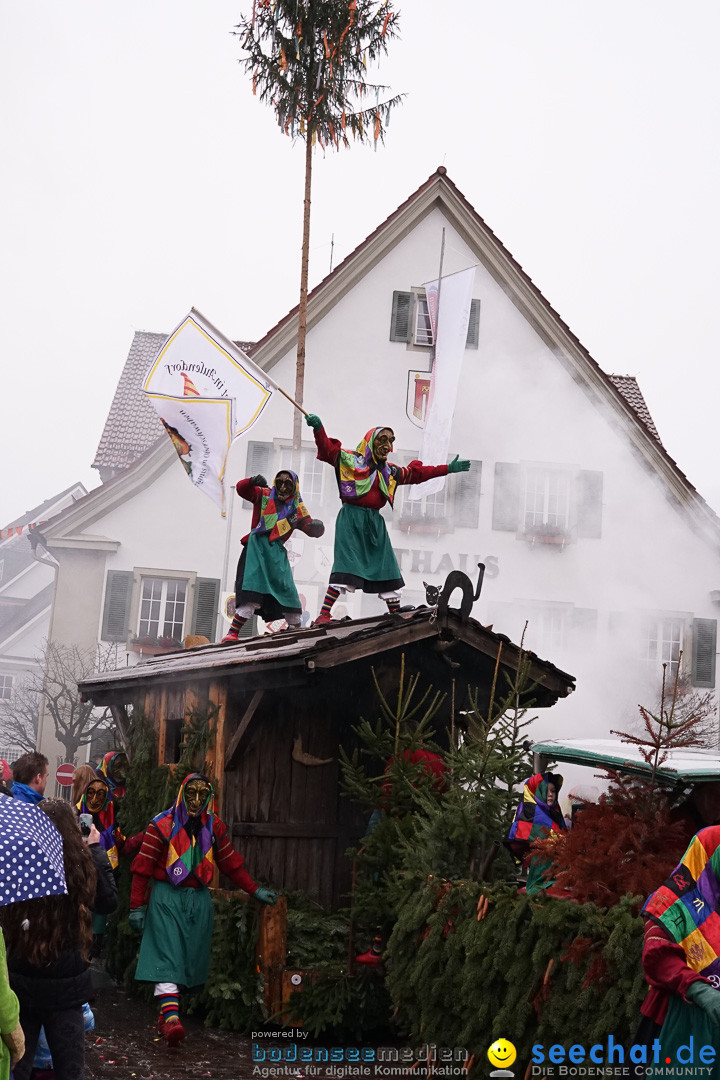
{"x":363,"y":553}
{"x":175,"y":944}
{"x":264,"y":576}
{"x":684,"y":1020}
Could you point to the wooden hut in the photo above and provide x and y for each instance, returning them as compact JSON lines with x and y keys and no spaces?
{"x":285,"y":703}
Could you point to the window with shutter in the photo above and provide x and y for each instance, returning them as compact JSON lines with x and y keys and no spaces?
{"x":259,"y":462}
{"x":589,"y":504}
{"x":466,"y":493}
{"x":401,"y":320}
{"x":473,"y":334}
{"x":116,"y":609}
{"x":704,"y":648}
{"x":506,"y":496}
{"x":207,"y":597}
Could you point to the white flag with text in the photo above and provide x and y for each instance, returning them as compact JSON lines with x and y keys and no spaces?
{"x":449,"y":304}
{"x":198,"y":361}
{"x":200,"y":429}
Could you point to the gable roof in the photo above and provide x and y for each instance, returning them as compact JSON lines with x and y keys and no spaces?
{"x":20,"y":615}
{"x":132,"y":426}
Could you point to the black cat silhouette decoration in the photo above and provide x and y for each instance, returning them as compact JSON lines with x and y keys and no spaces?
{"x":456,"y":579}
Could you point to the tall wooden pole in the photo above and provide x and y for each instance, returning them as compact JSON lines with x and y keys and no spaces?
{"x":302,"y":309}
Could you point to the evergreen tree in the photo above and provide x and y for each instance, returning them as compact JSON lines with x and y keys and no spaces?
{"x":308,"y":59}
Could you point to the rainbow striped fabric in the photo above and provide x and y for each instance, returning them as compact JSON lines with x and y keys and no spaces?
{"x":277,"y":518}
{"x":357,"y":471}
{"x":188,"y":853}
{"x":686,"y":904}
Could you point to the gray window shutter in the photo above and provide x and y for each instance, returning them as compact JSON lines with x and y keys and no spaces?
{"x":584,"y":622}
{"x":473,"y":334}
{"x":116,"y":610}
{"x":259,"y":462}
{"x":466,"y":496}
{"x":506,"y":496}
{"x":401,"y":321}
{"x":207,"y":597}
{"x":704,"y":645}
{"x":249,"y":629}
{"x":589,"y":504}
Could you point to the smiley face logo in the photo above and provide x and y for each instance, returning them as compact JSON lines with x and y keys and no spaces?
{"x":501,"y":1054}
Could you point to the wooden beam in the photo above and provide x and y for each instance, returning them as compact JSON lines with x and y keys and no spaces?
{"x":232,"y":754}
{"x":217,"y":695}
{"x":122,"y":723}
{"x":271,"y":952}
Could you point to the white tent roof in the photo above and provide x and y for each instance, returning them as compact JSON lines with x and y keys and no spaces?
{"x":680,"y":766}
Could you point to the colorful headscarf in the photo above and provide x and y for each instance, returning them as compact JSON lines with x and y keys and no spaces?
{"x":278,"y":518}
{"x":534,"y":818}
{"x":686,"y":904}
{"x":110,"y":834}
{"x":188,"y":853}
{"x":116,"y":790}
{"x":357,"y":470}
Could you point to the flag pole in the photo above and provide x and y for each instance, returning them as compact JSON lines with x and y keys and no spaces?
{"x":437,"y":313}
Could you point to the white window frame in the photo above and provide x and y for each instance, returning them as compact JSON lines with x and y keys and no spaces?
{"x":422,"y":328}
{"x":549,"y":625}
{"x":143,"y":572}
{"x":551,"y":490}
{"x":311,"y":470}
{"x":664,"y":635}
{"x":7,"y":684}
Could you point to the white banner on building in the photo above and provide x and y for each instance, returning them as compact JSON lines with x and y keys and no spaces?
{"x":201,"y":432}
{"x":449,"y":306}
{"x":198,"y":361}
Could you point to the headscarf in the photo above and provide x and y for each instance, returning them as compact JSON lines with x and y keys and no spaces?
{"x":104,"y":819}
{"x":534,"y":818}
{"x":189,"y":851}
{"x":116,"y":790}
{"x":357,"y":470}
{"x":278,"y":518}
{"x":686,"y":904}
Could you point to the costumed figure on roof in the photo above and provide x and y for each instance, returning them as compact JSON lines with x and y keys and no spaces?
{"x":681,"y":956}
{"x":114,"y":768}
{"x":537,"y":817}
{"x":364,"y":558}
{"x":264,"y":581}
{"x":180,"y":850}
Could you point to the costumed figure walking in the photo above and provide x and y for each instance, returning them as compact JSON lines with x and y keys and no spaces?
{"x":264,"y":581}
{"x":364,"y":558}
{"x":179,"y":852}
{"x":681,"y":956}
{"x":538,"y":816}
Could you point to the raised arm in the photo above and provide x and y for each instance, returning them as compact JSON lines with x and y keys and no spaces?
{"x":251,"y":488}
{"x":327,"y":449}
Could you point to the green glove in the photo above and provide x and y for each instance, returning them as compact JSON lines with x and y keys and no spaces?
{"x":707,"y":998}
{"x":136,"y":918}
{"x":313,"y":421}
{"x":267,"y":896}
{"x":458,"y":466}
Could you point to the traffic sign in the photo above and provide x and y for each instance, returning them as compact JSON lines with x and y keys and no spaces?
{"x":64,"y":775}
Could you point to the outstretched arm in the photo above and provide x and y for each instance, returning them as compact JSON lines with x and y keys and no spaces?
{"x":417,"y":473}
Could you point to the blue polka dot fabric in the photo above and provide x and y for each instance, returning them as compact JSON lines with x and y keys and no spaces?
{"x":31,"y":855}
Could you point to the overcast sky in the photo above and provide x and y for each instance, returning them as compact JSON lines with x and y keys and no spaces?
{"x":140,"y":177}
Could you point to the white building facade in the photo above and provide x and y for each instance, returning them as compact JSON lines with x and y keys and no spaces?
{"x":589,"y":532}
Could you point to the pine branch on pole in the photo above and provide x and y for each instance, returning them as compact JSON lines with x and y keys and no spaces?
{"x":309,"y":62}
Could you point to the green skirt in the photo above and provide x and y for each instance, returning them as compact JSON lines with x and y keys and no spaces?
{"x":175,"y":944}
{"x":683,"y":1022}
{"x":363,"y":554}
{"x":264,"y":577}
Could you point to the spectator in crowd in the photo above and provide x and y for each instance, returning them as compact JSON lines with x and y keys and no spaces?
{"x":12,"y":1041}
{"x":48,"y":949}
{"x":30,"y":773}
